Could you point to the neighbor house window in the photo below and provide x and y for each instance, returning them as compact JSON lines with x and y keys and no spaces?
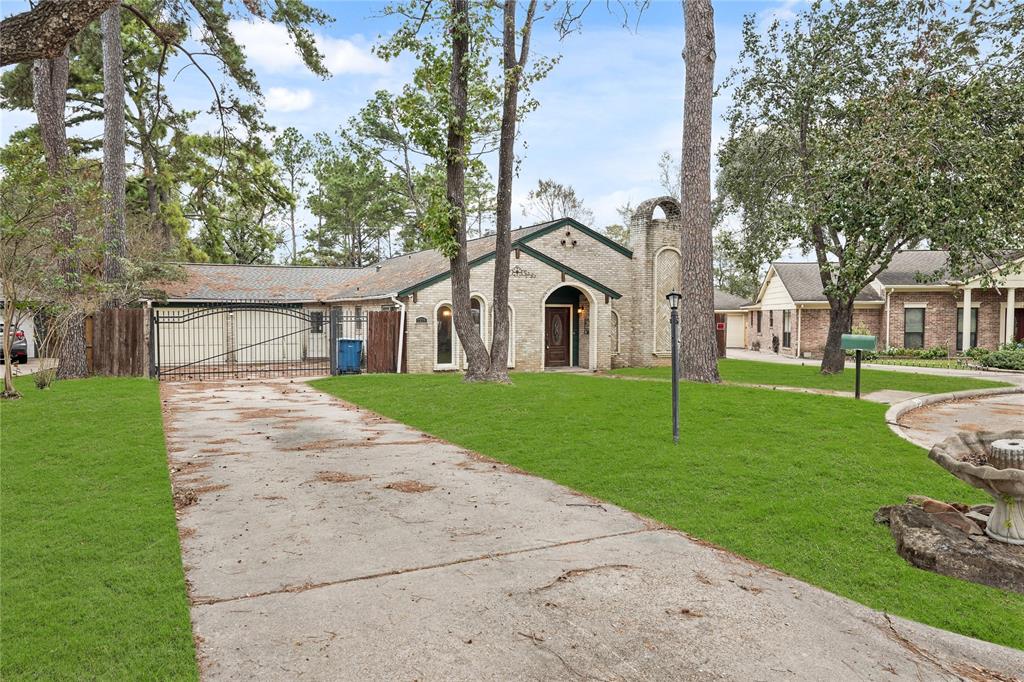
{"x":913,"y":327}
{"x":359,"y":318}
{"x":316,"y":322}
{"x":960,"y":328}
{"x":787,"y":319}
{"x":759,"y":321}
{"x":444,"y":335}
{"x":771,"y":319}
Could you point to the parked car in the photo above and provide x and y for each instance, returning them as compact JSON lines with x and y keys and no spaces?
{"x":19,"y":346}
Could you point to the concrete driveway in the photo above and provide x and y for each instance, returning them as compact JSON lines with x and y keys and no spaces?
{"x":323,"y":542}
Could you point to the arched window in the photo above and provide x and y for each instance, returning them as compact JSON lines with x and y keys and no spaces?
{"x":614,"y":332}
{"x":666,"y":278}
{"x":476,"y":309}
{"x":511,"y":336}
{"x":444,"y":355}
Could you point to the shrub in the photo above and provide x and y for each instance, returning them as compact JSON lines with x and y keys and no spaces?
{"x":1012,"y":358}
{"x":977,"y":354}
{"x":44,"y":377}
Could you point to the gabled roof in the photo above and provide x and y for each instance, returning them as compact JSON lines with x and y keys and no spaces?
{"x":803,"y":282}
{"x":404,"y":275}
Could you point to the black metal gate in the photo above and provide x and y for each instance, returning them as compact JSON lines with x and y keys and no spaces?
{"x":241,"y":340}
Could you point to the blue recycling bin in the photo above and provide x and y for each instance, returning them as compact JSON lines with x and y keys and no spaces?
{"x":350,"y":354}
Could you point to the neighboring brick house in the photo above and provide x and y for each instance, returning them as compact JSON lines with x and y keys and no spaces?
{"x":912,"y":304}
{"x":576,"y":298}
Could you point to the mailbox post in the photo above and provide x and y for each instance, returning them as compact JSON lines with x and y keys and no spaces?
{"x":858,"y":343}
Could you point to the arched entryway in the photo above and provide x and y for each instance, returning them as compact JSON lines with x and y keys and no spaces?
{"x":567,"y":332}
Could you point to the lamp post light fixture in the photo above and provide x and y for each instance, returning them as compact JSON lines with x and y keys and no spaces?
{"x":673,"y":303}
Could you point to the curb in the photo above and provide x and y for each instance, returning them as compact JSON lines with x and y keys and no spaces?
{"x":897,"y":410}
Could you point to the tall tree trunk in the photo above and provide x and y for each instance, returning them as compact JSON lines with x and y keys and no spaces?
{"x":49,"y":94}
{"x":113,"y":151}
{"x":698,"y":346}
{"x":295,"y":253}
{"x":840,"y":321}
{"x":455,"y":186}
{"x":10,"y":296}
{"x":513,"y":66}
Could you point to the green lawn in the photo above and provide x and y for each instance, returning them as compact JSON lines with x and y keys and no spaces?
{"x":92,"y":583}
{"x":788,"y":479}
{"x":808,"y":376}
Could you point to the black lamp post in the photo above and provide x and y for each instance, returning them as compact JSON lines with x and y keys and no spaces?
{"x":673,"y":303}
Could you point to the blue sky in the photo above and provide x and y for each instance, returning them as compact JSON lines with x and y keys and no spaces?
{"x":607,"y":111}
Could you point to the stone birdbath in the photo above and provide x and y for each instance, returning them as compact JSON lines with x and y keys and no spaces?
{"x":993,"y":462}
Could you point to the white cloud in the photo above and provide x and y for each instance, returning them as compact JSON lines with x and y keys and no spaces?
{"x":283,"y":99}
{"x":269,"y":47}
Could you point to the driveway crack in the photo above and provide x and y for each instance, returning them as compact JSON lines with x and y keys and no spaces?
{"x":306,"y":587}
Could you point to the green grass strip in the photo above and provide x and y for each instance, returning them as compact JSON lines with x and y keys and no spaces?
{"x":92,"y":581}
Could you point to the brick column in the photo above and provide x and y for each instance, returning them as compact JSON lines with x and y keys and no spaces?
{"x":967,"y":319}
{"x":1011,"y":303}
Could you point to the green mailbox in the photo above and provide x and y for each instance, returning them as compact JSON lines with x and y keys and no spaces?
{"x":859,"y":342}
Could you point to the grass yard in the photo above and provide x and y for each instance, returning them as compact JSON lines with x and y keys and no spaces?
{"x":808,"y":376}
{"x":788,"y":479}
{"x":92,"y":585}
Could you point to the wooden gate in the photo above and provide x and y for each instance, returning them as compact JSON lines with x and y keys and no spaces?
{"x":116,"y":342}
{"x":382,"y":329}
{"x":720,"y":329}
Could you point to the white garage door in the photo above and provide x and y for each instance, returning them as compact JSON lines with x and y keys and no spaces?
{"x":734,"y":331}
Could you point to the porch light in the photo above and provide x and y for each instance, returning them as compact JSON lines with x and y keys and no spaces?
{"x":445,"y":312}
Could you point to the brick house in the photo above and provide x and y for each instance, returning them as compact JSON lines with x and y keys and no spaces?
{"x":911,"y":304}
{"x":576,"y":298}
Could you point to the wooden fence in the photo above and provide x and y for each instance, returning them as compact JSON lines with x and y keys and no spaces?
{"x":115,"y":342}
{"x":382,"y":329}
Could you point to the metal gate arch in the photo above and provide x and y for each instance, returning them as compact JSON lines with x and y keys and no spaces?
{"x":240,"y":340}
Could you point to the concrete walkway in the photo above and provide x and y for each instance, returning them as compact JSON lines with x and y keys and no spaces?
{"x":759,"y":356}
{"x":323,"y":542}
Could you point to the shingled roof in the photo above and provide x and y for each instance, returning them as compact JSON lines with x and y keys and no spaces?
{"x":726,"y":301}
{"x":916,"y":267}
{"x":803,"y":282}
{"x":294,"y":284}
{"x":278,"y":283}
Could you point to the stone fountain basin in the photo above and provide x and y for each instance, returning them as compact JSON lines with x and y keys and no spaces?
{"x":963,"y":456}
{"x":955,"y":455}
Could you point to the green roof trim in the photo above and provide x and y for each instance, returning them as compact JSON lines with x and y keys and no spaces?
{"x":562,"y":267}
{"x":521,"y":244}
{"x":440,"y":277}
{"x":576,"y":225}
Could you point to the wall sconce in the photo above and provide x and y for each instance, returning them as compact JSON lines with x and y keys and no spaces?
{"x":446,"y":312}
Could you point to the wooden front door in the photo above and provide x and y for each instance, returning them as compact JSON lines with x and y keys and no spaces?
{"x":556,"y":337}
{"x":1018,"y":322}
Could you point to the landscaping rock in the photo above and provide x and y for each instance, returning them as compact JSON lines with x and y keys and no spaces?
{"x":978,"y":518}
{"x":985,"y":509}
{"x":929,"y":542}
{"x":936,"y":507}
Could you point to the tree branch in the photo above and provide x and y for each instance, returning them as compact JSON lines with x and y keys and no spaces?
{"x":45,"y":30}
